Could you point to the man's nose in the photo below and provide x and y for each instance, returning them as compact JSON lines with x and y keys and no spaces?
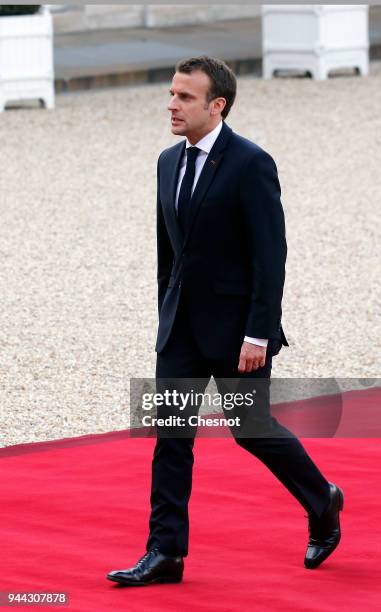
{"x":173,"y":103}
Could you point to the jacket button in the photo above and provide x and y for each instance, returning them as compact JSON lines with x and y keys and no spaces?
{"x":180,"y":285}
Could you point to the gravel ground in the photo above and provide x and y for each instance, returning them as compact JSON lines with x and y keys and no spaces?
{"x":77,"y":242}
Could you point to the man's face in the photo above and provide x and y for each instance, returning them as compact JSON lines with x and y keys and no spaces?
{"x":191,"y":115}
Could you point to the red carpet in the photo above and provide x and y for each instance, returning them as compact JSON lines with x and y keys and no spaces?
{"x":73,"y":510}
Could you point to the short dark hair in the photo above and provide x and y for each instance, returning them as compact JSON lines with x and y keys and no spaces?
{"x":222,"y":78}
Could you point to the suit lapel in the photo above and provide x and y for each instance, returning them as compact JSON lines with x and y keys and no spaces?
{"x":207,"y":174}
{"x":173,"y":168}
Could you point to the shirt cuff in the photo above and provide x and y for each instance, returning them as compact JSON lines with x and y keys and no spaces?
{"x":257,"y":341}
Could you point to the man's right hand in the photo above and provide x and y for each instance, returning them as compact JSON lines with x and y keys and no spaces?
{"x":251,"y":357}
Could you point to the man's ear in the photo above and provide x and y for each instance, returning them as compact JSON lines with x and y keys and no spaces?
{"x":218,"y":106}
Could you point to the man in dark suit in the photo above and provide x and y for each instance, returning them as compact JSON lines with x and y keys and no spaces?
{"x":221,"y":268}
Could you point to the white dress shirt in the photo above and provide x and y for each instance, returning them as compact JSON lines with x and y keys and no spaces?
{"x":205,"y":145}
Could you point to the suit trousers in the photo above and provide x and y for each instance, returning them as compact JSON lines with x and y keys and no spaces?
{"x":172,"y":464}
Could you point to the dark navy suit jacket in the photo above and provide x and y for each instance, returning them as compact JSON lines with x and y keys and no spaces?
{"x":230,"y":264}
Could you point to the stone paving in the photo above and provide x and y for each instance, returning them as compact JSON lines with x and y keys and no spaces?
{"x":77,"y":241}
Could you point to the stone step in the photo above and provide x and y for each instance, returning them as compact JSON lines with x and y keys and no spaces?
{"x":80,"y":18}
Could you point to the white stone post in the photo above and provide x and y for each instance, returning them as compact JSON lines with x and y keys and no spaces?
{"x":26,"y":58}
{"x":315,"y":38}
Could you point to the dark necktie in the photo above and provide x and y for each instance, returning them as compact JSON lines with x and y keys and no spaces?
{"x":185,"y":194}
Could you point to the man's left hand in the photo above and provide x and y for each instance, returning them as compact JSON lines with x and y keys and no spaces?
{"x":251,"y":357}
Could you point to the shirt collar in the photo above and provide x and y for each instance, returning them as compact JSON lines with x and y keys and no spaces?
{"x":207,"y":141}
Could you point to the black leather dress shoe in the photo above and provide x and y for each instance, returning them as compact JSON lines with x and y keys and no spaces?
{"x":324,"y":531}
{"x":152,"y":568}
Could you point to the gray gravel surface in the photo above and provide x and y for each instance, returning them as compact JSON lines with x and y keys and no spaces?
{"x":77,"y":242}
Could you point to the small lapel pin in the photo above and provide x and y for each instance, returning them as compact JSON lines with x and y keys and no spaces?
{"x":213,"y":161}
